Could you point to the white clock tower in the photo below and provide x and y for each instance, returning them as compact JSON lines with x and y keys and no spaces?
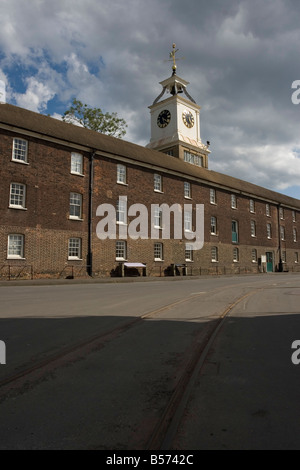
{"x":175,"y":122}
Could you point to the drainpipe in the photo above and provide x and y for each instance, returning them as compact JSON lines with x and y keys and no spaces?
{"x":90,"y":215}
{"x":280,"y":266}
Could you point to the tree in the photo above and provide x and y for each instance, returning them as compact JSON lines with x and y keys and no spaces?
{"x":95,"y":119}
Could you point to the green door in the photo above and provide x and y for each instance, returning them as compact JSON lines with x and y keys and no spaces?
{"x":269,"y":262}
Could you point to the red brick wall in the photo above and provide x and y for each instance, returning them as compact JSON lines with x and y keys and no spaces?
{"x":47,"y":227}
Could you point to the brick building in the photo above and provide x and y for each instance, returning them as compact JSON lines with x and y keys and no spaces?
{"x":55,"y":176}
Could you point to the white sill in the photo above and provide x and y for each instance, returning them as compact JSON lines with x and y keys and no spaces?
{"x":123,"y":184}
{"x":72,"y":217}
{"x":74,"y":258}
{"x":19,"y":161}
{"x":158,"y":191}
{"x":158,"y":259}
{"x":15,"y":257}
{"x":18,"y":207}
{"x":76,"y":174}
{"x":121,"y":259}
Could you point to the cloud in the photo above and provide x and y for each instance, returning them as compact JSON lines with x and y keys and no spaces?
{"x":36,"y":96}
{"x":240,"y":57}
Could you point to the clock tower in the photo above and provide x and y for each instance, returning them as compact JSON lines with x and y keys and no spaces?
{"x":175,"y":121}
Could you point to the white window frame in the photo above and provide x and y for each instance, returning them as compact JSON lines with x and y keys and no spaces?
{"x":252,"y":206}
{"x":77,"y":164}
{"x":268,"y":210}
{"x":282,"y":232}
{"x":281,"y":213}
{"x":17,"y":196}
{"x":193,"y":158}
{"x":157,"y":217}
{"x":213,"y":225}
{"x":254,"y":255}
{"x":121,"y":212}
{"x":296,"y":257}
{"x":212,"y":196}
{"x":233,"y":201}
{"x":121,"y":174}
{"x":157,"y":181}
{"x":15,"y":246}
{"x":253,"y":228}
{"x":121,"y":250}
{"x":188,"y":221}
{"x":20,"y":150}
{"x":294,"y":217}
{"x":189,"y":252}
{"x":158,"y":252}
{"x":236,"y":255}
{"x":187,"y":190}
{"x":74,"y":206}
{"x":283,"y":256}
{"x":295,"y":234}
{"x":75,"y":248}
{"x":269,"y":231}
{"x":214,"y":254}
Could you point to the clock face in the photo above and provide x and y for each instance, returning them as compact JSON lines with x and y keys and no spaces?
{"x":188,"y":118}
{"x":164,"y":118}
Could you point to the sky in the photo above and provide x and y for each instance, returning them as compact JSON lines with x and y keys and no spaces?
{"x":240,"y":57}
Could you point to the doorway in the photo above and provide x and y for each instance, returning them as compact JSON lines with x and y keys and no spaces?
{"x":270,"y":262}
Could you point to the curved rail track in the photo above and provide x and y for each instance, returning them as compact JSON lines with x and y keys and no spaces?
{"x":164,"y":431}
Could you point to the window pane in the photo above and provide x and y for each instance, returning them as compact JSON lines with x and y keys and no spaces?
{"x":76,"y":163}
{"x":75,"y":248}
{"x":214,"y":253}
{"x":120,"y":249}
{"x":20,"y":150}
{"x":17,"y":195}
{"x":75,"y":205}
{"x":15,"y":246}
{"x":121,"y":174}
{"x":188,"y":252}
{"x":187,"y":190}
{"x":121,"y":211}
{"x":158,"y":251}
{"x":157,"y":183}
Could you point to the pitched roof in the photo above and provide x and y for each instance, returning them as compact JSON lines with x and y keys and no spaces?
{"x":48,"y":127}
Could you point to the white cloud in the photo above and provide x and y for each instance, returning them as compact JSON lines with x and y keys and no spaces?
{"x":241,"y":57}
{"x":36,"y":96}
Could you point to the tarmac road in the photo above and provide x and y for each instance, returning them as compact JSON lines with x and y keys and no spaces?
{"x":247,"y":394}
{"x":110,"y":394}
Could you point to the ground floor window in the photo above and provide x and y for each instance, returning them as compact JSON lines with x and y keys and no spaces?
{"x":235,"y":255}
{"x":188,"y":252}
{"x":74,"y":251}
{"x":121,"y":250}
{"x":158,"y":251}
{"x":15,"y":247}
{"x":254,"y":256}
{"x":214,"y":254}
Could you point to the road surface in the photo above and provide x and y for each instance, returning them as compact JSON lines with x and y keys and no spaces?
{"x":173,"y":364}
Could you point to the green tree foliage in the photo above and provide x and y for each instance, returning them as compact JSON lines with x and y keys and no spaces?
{"x":95,"y":119}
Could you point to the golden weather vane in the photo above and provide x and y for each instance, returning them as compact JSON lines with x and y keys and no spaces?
{"x":173,"y":58}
